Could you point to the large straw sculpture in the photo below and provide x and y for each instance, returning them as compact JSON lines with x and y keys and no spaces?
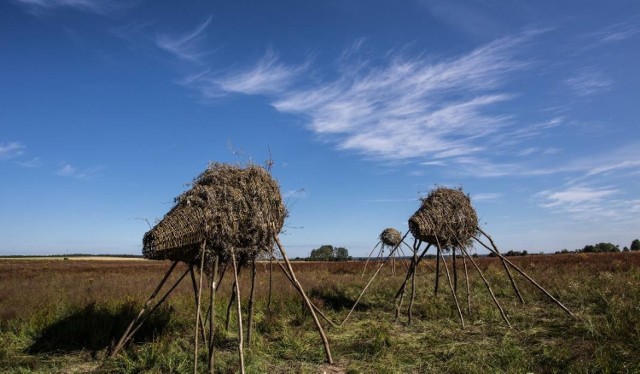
{"x":229,"y":216}
{"x":447,"y":220}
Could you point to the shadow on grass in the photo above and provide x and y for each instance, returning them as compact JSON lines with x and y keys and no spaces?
{"x":96,"y":327}
{"x":336,"y":299}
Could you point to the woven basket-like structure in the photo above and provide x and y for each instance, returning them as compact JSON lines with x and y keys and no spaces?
{"x":391,"y":237}
{"x":445,"y":214}
{"x":228,"y":206}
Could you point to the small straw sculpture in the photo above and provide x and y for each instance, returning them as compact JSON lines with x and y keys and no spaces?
{"x":230,"y":215}
{"x":390,"y":238}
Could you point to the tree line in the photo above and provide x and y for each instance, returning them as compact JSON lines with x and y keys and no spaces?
{"x":329,"y":253}
{"x":604,"y":248}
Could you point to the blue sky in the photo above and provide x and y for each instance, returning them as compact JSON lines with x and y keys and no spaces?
{"x":108,"y":108}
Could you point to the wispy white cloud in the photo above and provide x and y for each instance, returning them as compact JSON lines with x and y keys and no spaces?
{"x":411,"y":108}
{"x":268,"y":76}
{"x":591,"y":203}
{"x":588,"y":82}
{"x":11,"y":150}
{"x":32,"y":163}
{"x":398,"y":109}
{"x":70,"y":171}
{"x":576,"y":195}
{"x":487,"y":196}
{"x":93,"y":6}
{"x":617,"y":32}
{"x":187,"y":46}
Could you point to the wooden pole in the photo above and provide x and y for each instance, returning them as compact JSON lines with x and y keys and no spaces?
{"x":504,"y":264}
{"x":556,"y":301}
{"x":251,"y":296}
{"x":162,"y":300}
{"x":369,"y":258}
{"x":371,"y":280}
{"x":486,"y":283}
{"x":435,"y":291}
{"x":298,"y":286}
{"x":453,"y":293}
{"x":212,"y":314}
{"x":270,"y":280}
{"x":324,"y":316}
{"x":194,"y":285}
{"x":466,"y":279}
{"x":198,"y":300}
{"x":126,"y":336}
{"x":240,"y":333}
{"x":413,"y":281}
{"x":455,"y":272}
{"x":412,"y":267}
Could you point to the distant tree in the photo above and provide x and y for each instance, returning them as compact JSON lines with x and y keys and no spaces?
{"x":601,"y":248}
{"x":324,"y":253}
{"x":625,"y":249}
{"x":341,"y":254}
{"x":525,"y":253}
{"x":329,"y":253}
{"x":635,"y":245}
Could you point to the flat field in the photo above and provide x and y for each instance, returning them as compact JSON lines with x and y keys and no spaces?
{"x":61,"y":316}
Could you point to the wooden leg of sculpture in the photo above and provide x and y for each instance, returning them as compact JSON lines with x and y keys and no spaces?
{"x":412,"y":268}
{"x":198,"y":302}
{"x":371,"y":281}
{"x":455,"y":272}
{"x":453,"y":293}
{"x":240,"y":334}
{"x":232,"y":299}
{"x":435,"y":291}
{"x":162,"y":300}
{"x":196,"y":289}
{"x":212,"y":314}
{"x":298,"y":286}
{"x":324,"y":316}
{"x":393,"y":264}
{"x":466,"y":280}
{"x":486,"y":283}
{"x":412,"y":265}
{"x":413,"y":281}
{"x":270,"y":281}
{"x":251,"y":296}
{"x":127,"y":334}
{"x":526,"y":276}
{"x":506,"y":268}
{"x":217,"y":285}
{"x":369,"y":258}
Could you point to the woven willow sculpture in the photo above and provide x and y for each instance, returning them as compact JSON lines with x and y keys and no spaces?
{"x":230,"y":215}
{"x":389,"y":238}
{"x":447,"y":220}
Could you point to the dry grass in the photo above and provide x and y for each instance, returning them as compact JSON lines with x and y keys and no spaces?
{"x":40,"y":297}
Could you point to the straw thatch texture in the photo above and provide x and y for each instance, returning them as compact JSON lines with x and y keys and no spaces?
{"x":391,"y":237}
{"x":446,"y":214}
{"x":228,"y":206}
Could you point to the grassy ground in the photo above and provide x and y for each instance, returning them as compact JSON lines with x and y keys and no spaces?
{"x":61,"y":316}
